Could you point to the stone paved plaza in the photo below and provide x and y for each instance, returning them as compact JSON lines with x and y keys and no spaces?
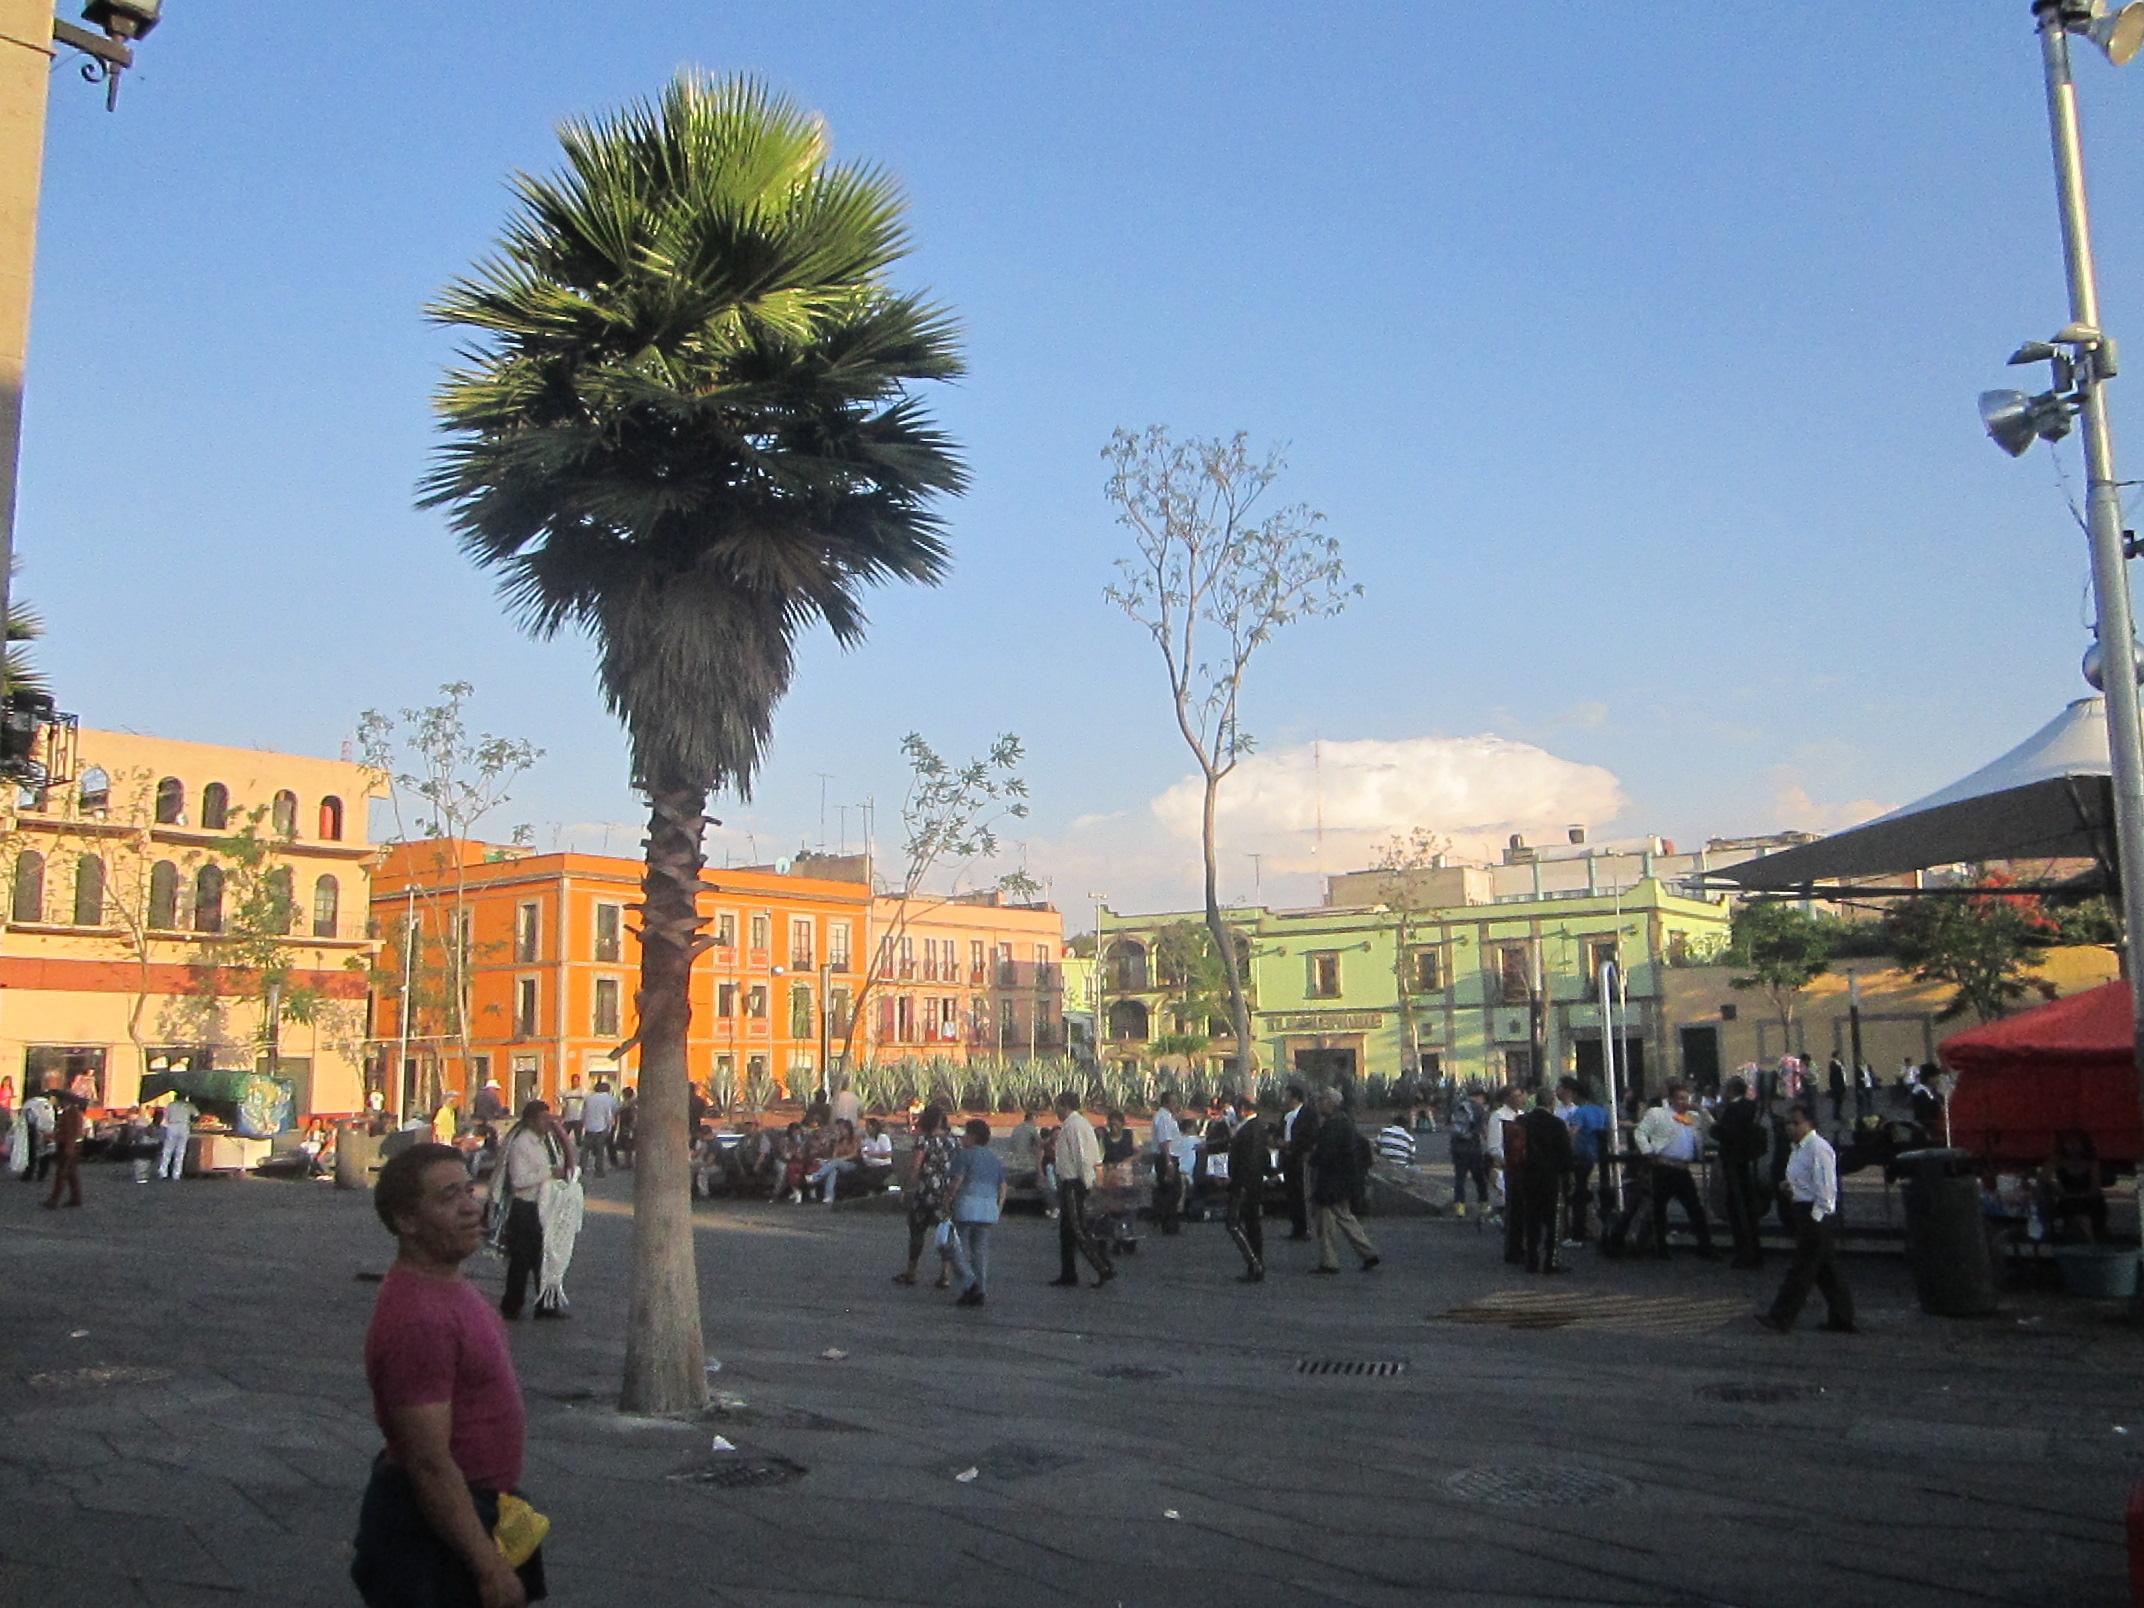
{"x":186,"y":1423}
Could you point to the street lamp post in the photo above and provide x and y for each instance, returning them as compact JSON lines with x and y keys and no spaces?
{"x":2118,"y":31}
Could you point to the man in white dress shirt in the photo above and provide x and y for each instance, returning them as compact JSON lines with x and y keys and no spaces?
{"x":1812,"y":1190}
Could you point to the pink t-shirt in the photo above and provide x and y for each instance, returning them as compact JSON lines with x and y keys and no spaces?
{"x":434,"y":1340}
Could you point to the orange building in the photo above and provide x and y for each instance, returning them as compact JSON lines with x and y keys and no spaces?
{"x":971,"y":977}
{"x":537,"y":985}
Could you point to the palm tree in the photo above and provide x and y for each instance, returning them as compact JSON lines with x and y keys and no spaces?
{"x":24,"y":626}
{"x":686,"y":429}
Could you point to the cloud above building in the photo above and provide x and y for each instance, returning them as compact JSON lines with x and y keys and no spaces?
{"x":1331,"y":806}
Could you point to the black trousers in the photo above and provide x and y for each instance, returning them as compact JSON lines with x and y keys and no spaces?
{"x":1579,"y":1197}
{"x":1298,"y":1184}
{"x":1468,"y":1162}
{"x":1535,"y":1194}
{"x":524,"y":1254}
{"x":1738,"y":1181}
{"x":1677,"y":1184}
{"x":1074,"y":1237}
{"x":1168,"y":1193}
{"x":1815,"y":1263}
{"x":401,"y":1563}
{"x":1246,"y":1221}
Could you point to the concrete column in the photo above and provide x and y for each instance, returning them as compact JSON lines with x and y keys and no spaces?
{"x":26,"y":53}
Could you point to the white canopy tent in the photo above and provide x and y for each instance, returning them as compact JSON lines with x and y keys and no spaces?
{"x":2048,"y":798}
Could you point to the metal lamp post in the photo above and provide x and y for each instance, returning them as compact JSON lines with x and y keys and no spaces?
{"x":2119,"y":32}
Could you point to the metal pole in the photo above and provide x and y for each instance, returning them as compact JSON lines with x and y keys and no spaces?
{"x":1606,"y":977}
{"x":2110,"y":578}
{"x":826,"y":1052}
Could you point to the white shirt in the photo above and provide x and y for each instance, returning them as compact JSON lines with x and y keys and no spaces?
{"x":1165,"y":1133}
{"x":1078,"y":1154}
{"x":179,"y":1115}
{"x":37,"y":1112}
{"x":1813,"y":1175}
{"x":599,"y":1111}
{"x":570,"y":1105}
{"x":1665,"y":1137}
{"x":878,"y":1149}
{"x":1494,"y":1140}
{"x":528,"y":1164}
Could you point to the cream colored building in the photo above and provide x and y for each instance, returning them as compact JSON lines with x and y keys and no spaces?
{"x":127,"y":905}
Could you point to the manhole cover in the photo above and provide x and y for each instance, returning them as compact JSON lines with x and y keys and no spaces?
{"x":1534,"y":1487}
{"x":742,"y":1473}
{"x":1351,"y":1368}
{"x":95,"y":1378}
{"x":1017,"y":1460}
{"x":1754,"y":1395}
{"x":1133,"y":1370}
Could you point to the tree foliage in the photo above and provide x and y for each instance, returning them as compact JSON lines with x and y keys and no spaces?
{"x":1981,"y":944}
{"x":1214,"y":574}
{"x":1780,"y":949}
{"x":686,"y":427}
{"x":1403,"y":865}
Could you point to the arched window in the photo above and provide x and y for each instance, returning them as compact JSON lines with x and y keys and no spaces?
{"x":1127,"y":967}
{"x":208,"y":899}
{"x":95,"y":795}
{"x":1127,"y":1019}
{"x":29,"y":901}
{"x":282,"y":901}
{"x":164,"y":896}
{"x":89,"y":891}
{"x":327,"y":905}
{"x":215,"y":807}
{"x":171,"y":802}
{"x":283,"y":814}
{"x":331,"y":819}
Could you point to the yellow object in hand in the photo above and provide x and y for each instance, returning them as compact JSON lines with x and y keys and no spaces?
{"x":520,"y":1530}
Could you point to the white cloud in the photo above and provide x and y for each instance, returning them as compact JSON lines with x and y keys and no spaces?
{"x":1474,"y":791}
{"x":1795,"y":810}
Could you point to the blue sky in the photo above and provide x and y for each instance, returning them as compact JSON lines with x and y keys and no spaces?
{"x":1634,"y":367}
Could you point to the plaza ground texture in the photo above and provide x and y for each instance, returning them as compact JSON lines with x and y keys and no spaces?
{"x":185,"y":1422}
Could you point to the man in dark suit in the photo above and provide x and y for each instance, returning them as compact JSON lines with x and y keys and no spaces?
{"x":1537,"y":1180}
{"x":1335,"y":1167}
{"x":1248,"y":1163}
{"x":1741,"y":1132}
{"x":1299,"y":1130}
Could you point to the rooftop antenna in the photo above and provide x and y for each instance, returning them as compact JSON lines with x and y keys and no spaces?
{"x":824,"y":778}
{"x":1317,"y":789}
{"x":1257,"y":881}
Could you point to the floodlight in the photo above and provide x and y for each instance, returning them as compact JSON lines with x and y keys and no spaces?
{"x":2117,"y":30}
{"x":2095,"y":664}
{"x":2031,"y":352}
{"x":2007,"y":416}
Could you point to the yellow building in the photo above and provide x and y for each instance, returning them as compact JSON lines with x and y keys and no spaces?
{"x":1719,"y":1027}
{"x":971,"y":977}
{"x":142,"y":893}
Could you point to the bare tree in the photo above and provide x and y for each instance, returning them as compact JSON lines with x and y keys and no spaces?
{"x":949,"y":819}
{"x":1403,"y":865}
{"x":1212,"y":581}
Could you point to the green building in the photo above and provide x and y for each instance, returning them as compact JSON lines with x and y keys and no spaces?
{"x":1504,"y":990}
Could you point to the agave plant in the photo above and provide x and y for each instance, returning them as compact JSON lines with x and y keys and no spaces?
{"x":722,"y":1087}
{"x":759,"y":1089}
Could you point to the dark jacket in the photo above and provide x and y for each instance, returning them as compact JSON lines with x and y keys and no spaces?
{"x":1548,"y":1144}
{"x":1739,"y":1129}
{"x":1333,"y":1162}
{"x":1249,"y":1159}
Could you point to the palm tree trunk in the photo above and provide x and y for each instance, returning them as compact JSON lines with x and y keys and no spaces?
{"x":1239,"y":1012}
{"x":665,"y":1360}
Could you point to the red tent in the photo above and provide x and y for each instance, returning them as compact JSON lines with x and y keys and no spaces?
{"x":2070,"y":1063}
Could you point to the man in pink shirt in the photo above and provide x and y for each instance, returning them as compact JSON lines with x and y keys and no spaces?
{"x":446,"y":1399}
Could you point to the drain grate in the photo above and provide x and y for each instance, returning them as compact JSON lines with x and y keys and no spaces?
{"x":1133,"y":1370}
{"x":96,"y":1378}
{"x":1526,"y":1487}
{"x":1746,"y":1394}
{"x":743,"y":1473}
{"x":1352,"y":1368}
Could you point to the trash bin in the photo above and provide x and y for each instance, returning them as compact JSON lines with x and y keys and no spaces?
{"x":2098,"y":1272}
{"x":1946,"y":1236}
{"x":357,"y":1155}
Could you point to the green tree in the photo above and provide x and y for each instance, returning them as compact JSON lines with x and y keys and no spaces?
{"x":1211,"y":578}
{"x":1781,"y":949}
{"x":24,"y":626}
{"x":1193,"y":979}
{"x":1982,"y":944}
{"x":1403,"y":888}
{"x":687,"y":429}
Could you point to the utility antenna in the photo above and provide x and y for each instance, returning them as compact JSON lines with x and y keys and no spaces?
{"x":1257,"y":881}
{"x":1317,"y":789}
{"x":824,"y":778}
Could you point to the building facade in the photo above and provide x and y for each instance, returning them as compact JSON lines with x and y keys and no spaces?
{"x":500,"y":963}
{"x":1491,"y":991}
{"x":176,"y":905}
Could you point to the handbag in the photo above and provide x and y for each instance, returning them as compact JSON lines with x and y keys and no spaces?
{"x":942,"y":1240}
{"x":520,"y":1530}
